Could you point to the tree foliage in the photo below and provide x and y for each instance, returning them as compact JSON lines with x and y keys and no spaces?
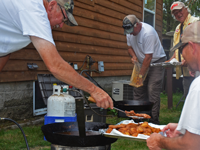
{"x":169,"y":24}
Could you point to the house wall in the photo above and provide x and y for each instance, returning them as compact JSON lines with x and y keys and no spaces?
{"x":159,"y":17}
{"x":99,"y":35}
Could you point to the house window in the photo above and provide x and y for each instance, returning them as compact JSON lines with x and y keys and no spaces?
{"x":149,"y":12}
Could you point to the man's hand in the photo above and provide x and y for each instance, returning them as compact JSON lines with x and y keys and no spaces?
{"x":184,"y":63}
{"x":153,"y":141}
{"x":171,"y":130}
{"x":167,"y":60}
{"x":173,"y":56}
{"x":102,"y":99}
{"x":134,"y":59}
{"x":192,"y":73}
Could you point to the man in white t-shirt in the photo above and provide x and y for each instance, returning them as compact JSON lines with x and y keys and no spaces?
{"x":144,"y":46}
{"x":186,"y":134}
{"x":26,"y":21}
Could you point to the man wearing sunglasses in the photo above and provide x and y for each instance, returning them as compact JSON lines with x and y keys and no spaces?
{"x":144,"y":46}
{"x":181,"y":13}
{"x":26,"y":21}
{"x":186,"y":134}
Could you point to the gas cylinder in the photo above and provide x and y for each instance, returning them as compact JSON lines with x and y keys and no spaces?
{"x":61,"y":104}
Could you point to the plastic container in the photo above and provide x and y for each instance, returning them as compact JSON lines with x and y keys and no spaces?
{"x":61,"y":104}
{"x":53,"y":119}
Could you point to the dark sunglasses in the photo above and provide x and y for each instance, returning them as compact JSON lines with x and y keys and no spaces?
{"x":65,"y":20}
{"x":182,"y":47}
{"x":127,"y":26}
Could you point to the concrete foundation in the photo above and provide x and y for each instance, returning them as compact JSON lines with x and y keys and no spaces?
{"x":16,"y":100}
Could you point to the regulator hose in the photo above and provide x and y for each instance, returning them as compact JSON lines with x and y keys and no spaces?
{"x":20,"y":129}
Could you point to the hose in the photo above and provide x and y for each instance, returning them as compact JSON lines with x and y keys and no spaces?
{"x":19,"y":128}
{"x":84,"y":62}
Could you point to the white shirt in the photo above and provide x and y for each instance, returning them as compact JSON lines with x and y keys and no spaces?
{"x":190,"y":116}
{"x":20,"y":19}
{"x":146,"y":42}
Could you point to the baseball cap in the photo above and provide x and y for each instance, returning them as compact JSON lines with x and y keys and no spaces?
{"x":68,"y":5}
{"x":191,"y":33}
{"x":177,"y":5}
{"x":128,"y":23}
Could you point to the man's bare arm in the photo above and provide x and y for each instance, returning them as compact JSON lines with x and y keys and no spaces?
{"x":64,"y":72}
{"x":185,"y":142}
{"x":3,"y":61}
{"x":145,"y":64}
{"x":182,"y":142}
{"x":132,"y":53}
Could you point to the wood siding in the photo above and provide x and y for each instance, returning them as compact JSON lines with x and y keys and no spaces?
{"x":159,"y":17}
{"x":99,"y":35}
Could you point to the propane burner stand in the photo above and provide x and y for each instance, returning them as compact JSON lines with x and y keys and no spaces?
{"x":80,"y":117}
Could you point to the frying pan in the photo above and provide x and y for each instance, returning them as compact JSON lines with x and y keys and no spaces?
{"x":65,"y":134}
{"x":138,"y":105}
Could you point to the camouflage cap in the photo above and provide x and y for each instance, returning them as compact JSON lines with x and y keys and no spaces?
{"x":68,"y":5}
{"x":128,"y":23}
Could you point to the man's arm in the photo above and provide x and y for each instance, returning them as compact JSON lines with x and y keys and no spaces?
{"x":64,"y":72}
{"x":3,"y":61}
{"x":145,"y":64}
{"x":132,"y":53}
{"x":146,"y":61}
{"x":185,"y":142}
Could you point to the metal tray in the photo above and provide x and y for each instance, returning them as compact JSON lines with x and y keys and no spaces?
{"x":117,"y":134}
{"x":166,"y":64}
{"x":127,"y":137}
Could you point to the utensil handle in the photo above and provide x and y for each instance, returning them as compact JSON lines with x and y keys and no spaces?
{"x":93,"y":100}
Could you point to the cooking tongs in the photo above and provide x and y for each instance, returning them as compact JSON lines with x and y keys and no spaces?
{"x":133,"y":117}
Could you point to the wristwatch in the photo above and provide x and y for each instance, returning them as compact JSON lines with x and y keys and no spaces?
{"x":140,"y":76}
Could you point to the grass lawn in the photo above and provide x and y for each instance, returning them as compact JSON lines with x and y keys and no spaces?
{"x":13,"y":139}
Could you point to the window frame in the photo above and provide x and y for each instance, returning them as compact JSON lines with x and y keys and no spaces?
{"x":150,"y":11}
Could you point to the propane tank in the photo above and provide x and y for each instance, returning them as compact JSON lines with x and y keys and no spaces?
{"x":61,"y":104}
{"x":70,"y":100}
